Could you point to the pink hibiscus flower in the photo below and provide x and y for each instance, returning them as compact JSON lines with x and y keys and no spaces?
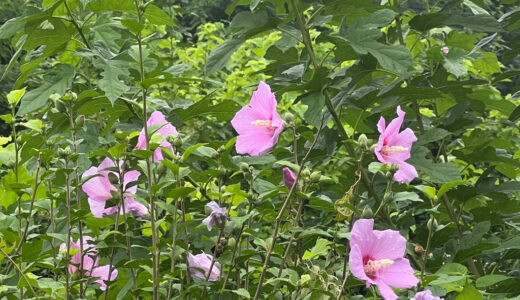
{"x":217,"y":216}
{"x":203,"y":261}
{"x":425,"y":295}
{"x":90,"y":262}
{"x":99,"y":190}
{"x":158,"y":118}
{"x":377,"y":257}
{"x":394,"y":147}
{"x":258,"y":124}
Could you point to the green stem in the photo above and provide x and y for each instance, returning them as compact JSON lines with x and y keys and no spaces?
{"x":20,"y":271}
{"x":78,"y":28}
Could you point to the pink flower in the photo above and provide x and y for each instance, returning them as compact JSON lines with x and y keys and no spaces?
{"x":90,"y":261}
{"x":258,"y":124}
{"x":288,"y":177}
{"x":217,"y":216}
{"x":426,"y":295}
{"x":394,"y":147}
{"x":99,"y":190}
{"x":445,"y":50}
{"x":377,"y":257}
{"x":158,"y":118}
{"x":203,"y":261}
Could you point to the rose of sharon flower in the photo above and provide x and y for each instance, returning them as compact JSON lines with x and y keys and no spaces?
{"x":377,"y":257}
{"x":394,"y":147}
{"x":99,"y":190}
{"x":445,"y":50}
{"x":90,"y":262}
{"x":217,"y":216}
{"x":258,"y":124}
{"x":288,"y":177}
{"x":425,"y":295}
{"x":202,"y":261}
{"x":158,"y":118}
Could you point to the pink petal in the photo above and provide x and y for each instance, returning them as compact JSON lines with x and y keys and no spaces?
{"x":129,"y":177}
{"x":156,"y":117}
{"x":404,"y":139}
{"x":263,"y":101}
{"x":395,"y":125}
{"x":388,"y":244}
{"x":355,"y":262}
{"x":213,"y":206}
{"x":288,"y":177}
{"x":253,"y":142}
{"x":96,"y":207}
{"x":381,"y":125}
{"x":97,"y":188}
{"x":105,"y":164}
{"x":362,"y":236}
{"x":400,"y":274}
{"x":406,"y":173}
{"x":102,"y":273}
{"x":272,"y":142}
{"x":386,"y":292}
{"x":134,"y":207}
{"x":244,"y":118}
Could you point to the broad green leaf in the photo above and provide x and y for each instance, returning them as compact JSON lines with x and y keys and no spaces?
{"x":454,"y":62}
{"x":488,"y":280}
{"x":469,"y":293}
{"x":242,"y":293}
{"x":448,"y":186}
{"x":438,"y":172}
{"x":108,"y":5}
{"x":219,"y":56}
{"x":57,"y":80}
{"x":156,"y":16}
{"x":320,"y":249}
{"x":111,"y":83}
{"x":15,"y":96}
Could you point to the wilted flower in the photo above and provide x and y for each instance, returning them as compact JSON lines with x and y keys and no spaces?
{"x":288,"y":177}
{"x":217,"y":216}
{"x":202,"y":261}
{"x":445,"y":50}
{"x":377,"y":257}
{"x":99,"y":190}
{"x":394,"y":147}
{"x":90,"y":261}
{"x":425,"y":295}
{"x":158,"y":118}
{"x":258,"y":124}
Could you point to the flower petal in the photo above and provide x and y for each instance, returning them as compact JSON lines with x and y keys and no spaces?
{"x":406,"y":173}
{"x":135,"y":208}
{"x":253,"y":142}
{"x":362,"y":236}
{"x":129,"y":177}
{"x":355,"y":262}
{"x":96,"y":207}
{"x":386,"y":292}
{"x":400,"y":274}
{"x":263,"y":101}
{"x":388,"y":244}
{"x":394,"y":126}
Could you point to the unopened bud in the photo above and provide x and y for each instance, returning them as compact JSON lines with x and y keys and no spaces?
{"x":288,"y":118}
{"x":315,"y":176}
{"x":60,"y":106}
{"x":177,"y":142}
{"x":221,"y":149}
{"x":222,"y":171}
{"x":244,"y":167}
{"x":161,"y":170}
{"x":367,"y":213}
{"x":80,"y":121}
{"x":363,"y":141}
{"x":387,"y":198}
{"x":418,"y":249}
{"x":432,"y":225}
{"x":306,"y":174}
{"x":394,"y":168}
{"x":288,"y":177}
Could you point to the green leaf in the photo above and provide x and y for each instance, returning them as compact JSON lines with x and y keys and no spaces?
{"x":111,"y":83}
{"x":432,"y":135}
{"x":219,"y":56}
{"x":488,"y":280}
{"x":156,"y":16}
{"x":448,"y":186}
{"x":438,"y":172}
{"x":223,"y":111}
{"x":320,"y":249}
{"x":108,"y":5}
{"x":58,"y":80}
{"x":15,"y":96}
{"x":469,"y":293}
{"x":454,"y":62}
{"x":242,"y":292}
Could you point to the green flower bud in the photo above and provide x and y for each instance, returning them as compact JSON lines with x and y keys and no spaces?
{"x":244,"y":167}
{"x":221,"y":149}
{"x":288,"y":118}
{"x":306,"y":174}
{"x":161,"y":170}
{"x":388,"y":197}
{"x":60,"y":106}
{"x":367,"y":213}
{"x":222,"y":171}
{"x":363,"y":141}
{"x":177,"y":142}
{"x":315,"y":176}
{"x":80,"y":121}
{"x":432,"y":225}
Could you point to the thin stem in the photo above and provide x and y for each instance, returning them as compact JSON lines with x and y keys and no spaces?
{"x":78,"y":28}
{"x":155,"y":250}
{"x":67,"y":255}
{"x":220,"y":235}
{"x":428,"y":242}
{"x":53,"y":228}
{"x":187,"y":240}
{"x":295,"y":145}
{"x":112,"y":254}
{"x":282,"y":210}
{"x":22,"y":274}
{"x":174,"y":243}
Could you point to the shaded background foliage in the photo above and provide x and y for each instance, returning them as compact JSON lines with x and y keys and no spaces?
{"x":202,"y":60}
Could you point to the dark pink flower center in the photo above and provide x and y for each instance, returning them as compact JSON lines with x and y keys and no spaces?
{"x":371,"y":266}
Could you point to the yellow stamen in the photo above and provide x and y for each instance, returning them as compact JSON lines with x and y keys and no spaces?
{"x":373,"y":266}
{"x":263,"y":123}
{"x":386,"y":150}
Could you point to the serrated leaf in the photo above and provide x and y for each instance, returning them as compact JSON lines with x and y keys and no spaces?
{"x":111,"y":83}
{"x":219,"y":56}
{"x":321,"y":248}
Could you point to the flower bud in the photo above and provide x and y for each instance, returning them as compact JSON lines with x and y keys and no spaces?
{"x":288,"y":177}
{"x":418,"y":249}
{"x":80,"y":121}
{"x":60,"y":106}
{"x":221,"y":149}
{"x":367,"y":213}
{"x":388,"y":197}
{"x":244,"y":167}
{"x":113,"y":178}
{"x":445,"y":50}
{"x":432,"y":225}
{"x":363,"y":141}
{"x":394,"y":168}
{"x":306,"y":174}
{"x":177,"y":142}
{"x":315,"y":176}
{"x":161,"y":170}
{"x":288,"y":118}
{"x":222,"y":171}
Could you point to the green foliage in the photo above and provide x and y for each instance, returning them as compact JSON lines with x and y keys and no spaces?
{"x":76,"y":75}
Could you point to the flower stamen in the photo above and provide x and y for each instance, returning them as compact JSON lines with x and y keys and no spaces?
{"x":373,"y":266}
{"x":387,"y":150}
{"x":264,"y":123}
